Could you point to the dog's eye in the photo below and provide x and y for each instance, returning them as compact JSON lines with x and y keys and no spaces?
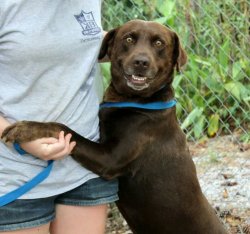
{"x":158,"y":43}
{"x":129,"y":40}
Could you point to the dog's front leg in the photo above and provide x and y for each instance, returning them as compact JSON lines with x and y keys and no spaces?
{"x":108,"y":159}
{"x":111,"y":158}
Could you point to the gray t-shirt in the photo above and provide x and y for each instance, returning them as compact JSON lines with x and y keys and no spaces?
{"x":48,"y":53}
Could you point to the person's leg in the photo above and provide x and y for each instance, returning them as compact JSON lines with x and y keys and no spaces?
{"x":83,"y":210}
{"x":79,"y":220}
{"x":44,"y":229}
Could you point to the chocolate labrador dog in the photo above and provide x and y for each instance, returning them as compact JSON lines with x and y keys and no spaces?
{"x":158,"y":188}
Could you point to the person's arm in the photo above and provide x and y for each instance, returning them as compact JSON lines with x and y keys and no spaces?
{"x":45,"y":148}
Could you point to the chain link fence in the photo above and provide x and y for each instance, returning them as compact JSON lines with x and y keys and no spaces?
{"x":213,"y":92}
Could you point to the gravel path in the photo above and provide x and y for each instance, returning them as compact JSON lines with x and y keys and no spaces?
{"x":223,"y":169}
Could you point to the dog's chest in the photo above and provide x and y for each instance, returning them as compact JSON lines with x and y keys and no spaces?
{"x":115,"y":122}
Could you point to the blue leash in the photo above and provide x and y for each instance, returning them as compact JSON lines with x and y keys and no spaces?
{"x":15,"y":194}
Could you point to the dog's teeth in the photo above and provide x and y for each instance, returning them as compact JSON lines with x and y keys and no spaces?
{"x":139,"y":78}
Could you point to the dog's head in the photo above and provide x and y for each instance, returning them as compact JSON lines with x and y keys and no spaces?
{"x":143,"y":57}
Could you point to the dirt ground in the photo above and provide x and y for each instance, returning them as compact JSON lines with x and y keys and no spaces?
{"x":223,"y":169}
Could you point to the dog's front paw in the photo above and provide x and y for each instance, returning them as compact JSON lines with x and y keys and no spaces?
{"x":25,"y":131}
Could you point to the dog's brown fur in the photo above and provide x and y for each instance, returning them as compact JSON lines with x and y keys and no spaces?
{"x":158,"y":188}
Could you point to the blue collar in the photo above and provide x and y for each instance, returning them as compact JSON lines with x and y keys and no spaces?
{"x":148,"y":106}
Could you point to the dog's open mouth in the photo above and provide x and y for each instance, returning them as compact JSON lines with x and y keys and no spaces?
{"x":137,"y":82}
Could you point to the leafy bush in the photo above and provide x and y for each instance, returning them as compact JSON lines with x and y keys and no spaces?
{"x":213,"y":92}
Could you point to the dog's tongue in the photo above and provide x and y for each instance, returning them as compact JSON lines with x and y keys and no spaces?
{"x":138,"y":80}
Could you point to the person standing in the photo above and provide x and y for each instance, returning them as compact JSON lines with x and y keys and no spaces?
{"x":48,"y":62}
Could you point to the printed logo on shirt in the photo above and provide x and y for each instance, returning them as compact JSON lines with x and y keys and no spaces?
{"x":88,"y":24}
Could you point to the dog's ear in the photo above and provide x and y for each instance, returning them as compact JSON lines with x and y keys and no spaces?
{"x":180,"y":56}
{"x":107,"y":44}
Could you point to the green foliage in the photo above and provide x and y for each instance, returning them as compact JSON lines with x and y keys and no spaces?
{"x":106,"y":73}
{"x":213,"y":92}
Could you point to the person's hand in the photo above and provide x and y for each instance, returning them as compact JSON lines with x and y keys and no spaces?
{"x":50,"y":148}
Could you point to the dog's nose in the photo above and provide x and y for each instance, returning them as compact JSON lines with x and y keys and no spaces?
{"x":141,"y":62}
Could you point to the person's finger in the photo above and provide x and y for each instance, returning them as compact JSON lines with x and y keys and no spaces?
{"x":65,"y":151}
{"x":68,"y":137}
{"x":61,"y":136}
{"x":71,"y":146}
{"x":67,"y":140}
{"x":58,"y":146}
